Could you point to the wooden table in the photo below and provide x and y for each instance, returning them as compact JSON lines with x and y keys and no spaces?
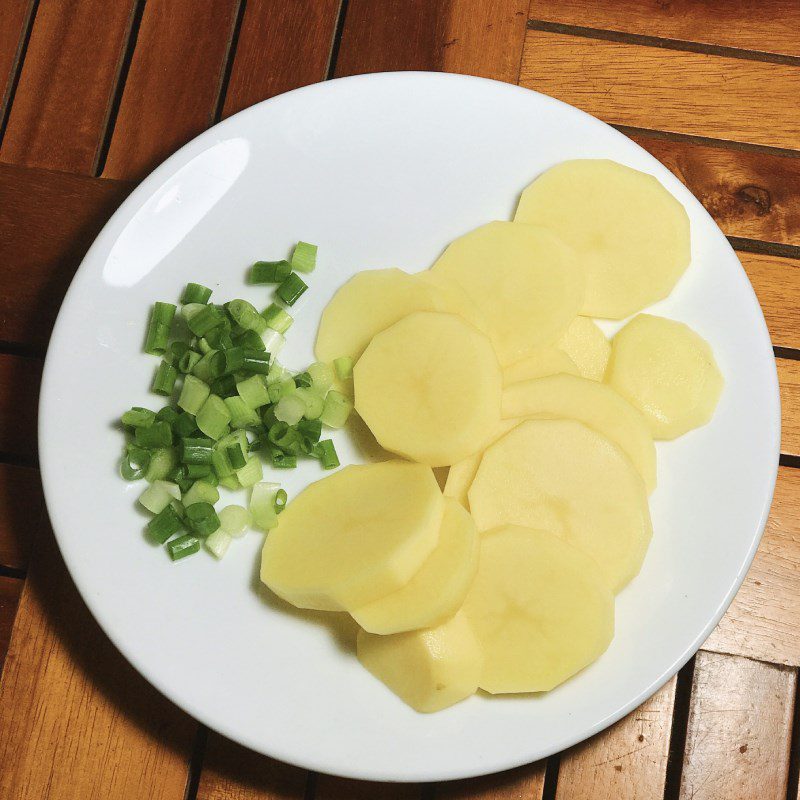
{"x":97,"y":92}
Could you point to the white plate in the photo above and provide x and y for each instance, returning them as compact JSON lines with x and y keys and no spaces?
{"x":379,"y":170}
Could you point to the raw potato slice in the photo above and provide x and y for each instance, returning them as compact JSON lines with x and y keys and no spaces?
{"x":453,"y":299}
{"x":587,"y":346}
{"x":539,"y":608}
{"x":592,"y":403}
{"x":429,"y":669}
{"x":542,"y":361}
{"x":630,"y":234}
{"x":354,"y":536}
{"x":462,"y":473}
{"x":429,"y":388}
{"x":437,"y":591}
{"x":668,"y":372}
{"x":560,"y":476}
{"x":522,"y":278}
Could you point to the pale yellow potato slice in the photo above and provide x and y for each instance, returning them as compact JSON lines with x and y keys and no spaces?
{"x":596,"y":405}
{"x":587,"y":346}
{"x":561,"y":476}
{"x":542,"y":361}
{"x":539,"y":608}
{"x":452,"y":298}
{"x":429,"y":669}
{"x":354,"y":536}
{"x":429,"y":388}
{"x":523,"y":279}
{"x":631,"y":236}
{"x":437,"y":591}
{"x":668,"y":372}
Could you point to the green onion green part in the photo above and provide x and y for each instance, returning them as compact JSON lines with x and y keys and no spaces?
{"x":201,"y":492}
{"x":164,"y":380}
{"x":162,"y":461}
{"x":159,"y":434}
{"x":304,"y":257}
{"x":276,"y":318}
{"x":326,"y":453}
{"x":139,"y":417}
{"x":183,"y":546}
{"x":291,"y":289}
{"x":158,"y":328}
{"x":193,"y":394}
{"x":213,"y":417}
{"x":164,"y":525}
{"x":270,"y":271}
{"x":344,"y":367}
{"x":195,"y":293}
{"x":201,"y":518}
{"x":245,"y":316}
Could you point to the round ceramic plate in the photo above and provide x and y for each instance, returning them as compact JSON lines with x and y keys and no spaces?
{"x":379,"y":171}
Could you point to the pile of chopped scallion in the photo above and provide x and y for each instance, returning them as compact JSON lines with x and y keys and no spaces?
{"x":231,"y":406}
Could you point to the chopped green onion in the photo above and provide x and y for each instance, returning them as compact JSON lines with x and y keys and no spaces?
{"x":197,"y":471}
{"x":284,"y":388}
{"x":222,"y":466}
{"x":193,"y":394}
{"x":242,"y":416}
{"x":290,"y":409}
{"x":291,"y":289}
{"x":175,"y":352}
{"x":280,"y":500}
{"x":196,"y":451}
{"x":218,"y":543}
{"x":285,"y":438}
{"x":219,"y":339}
{"x":184,"y":425}
{"x":234,"y":437}
{"x":244,"y":314}
{"x":157,"y":496}
{"x":159,"y":434}
{"x":195,"y":293}
{"x":283,"y":460}
{"x":139,"y":417}
{"x":213,"y":417}
{"x":158,"y":329}
{"x":235,"y":456}
{"x":134,"y":463}
{"x":187,"y":361}
{"x":224,"y":386}
{"x":313,"y":400}
{"x":169,"y":415}
{"x":277,"y":373}
{"x":190,"y":310}
{"x":203,"y":368}
{"x":234,"y":520}
{"x":321,"y":376}
{"x":201,"y":492}
{"x":164,"y":524}
{"x":256,"y":361}
{"x":231,"y":483}
{"x":164,"y":380}
{"x":304,"y":257}
{"x":262,"y":505}
{"x":310,"y":430}
{"x":162,"y":462}
{"x":268,"y":416}
{"x":252,"y":472}
{"x":336,"y":410}
{"x":344,"y":367}
{"x":302,"y":379}
{"x":277,"y":318}
{"x":250,"y":340}
{"x":205,"y":346}
{"x":274,"y":342}
{"x":270,"y":271}
{"x":253,"y":391}
{"x":183,"y":546}
{"x":205,"y":320}
{"x":326,"y":453}
{"x":201,"y":518}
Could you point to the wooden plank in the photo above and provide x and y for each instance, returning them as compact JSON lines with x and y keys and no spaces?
{"x":477,"y":37}
{"x":523,"y":783}
{"x":769,"y":26}
{"x":231,"y":772}
{"x":10,"y":590}
{"x":763,"y":621}
{"x":282,"y":45}
{"x":738,"y":736}
{"x":21,"y":505}
{"x":663,"y":89}
{"x":330,"y":788}
{"x":754,"y":195}
{"x":173,"y":83}
{"x":67,"y":82}
{"x":628,"y":761}
{"x":77,"y":722}
{"x":789,"y":379}
{"x":19,"y":396}
{"x":14,"y":20}
{"x":47,"y":222}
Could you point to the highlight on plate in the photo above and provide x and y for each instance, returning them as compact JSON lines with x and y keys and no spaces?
{"x":489,"y":365}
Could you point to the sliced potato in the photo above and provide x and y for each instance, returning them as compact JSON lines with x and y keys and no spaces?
{"x":452,"y":298}
{"x":587,"y":346}
{"x":668,"y":372}
{"x":539,"y":608}
{"x":593,"y":404}
{"x":429,"y":388}
{"x":630,"y":234}
{"x":354,"y":536}
{"x":437,"y":591}
{"x":522,"y":278}
{"x":561,"y":476}
{"x":540,"y":362}
{"x":429,"y":669}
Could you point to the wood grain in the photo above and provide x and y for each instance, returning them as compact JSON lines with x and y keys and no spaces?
{"x":77,"y":722}
{"x":14,"y":20}
{"x":740,"y":719}
{"x":330,"y":788}
{"x":173,"y":83}
{"x":21,"y":506}
{"x":66,"y":86}
{"x":769,"y":26}
{"x":231,"y":772}
{"x":628,"y":761}
{"x":19,"y":397}
{"x":750,"y":194}
{"x":283,"y":44}
{"x":523,"y":783}
{"x":789,"y":379}
{"x":763,"y":621}
{"x":10,"y":590}
{"x":47,"y":222}
{"x":663,"y":89}
{"x":476,"y":37}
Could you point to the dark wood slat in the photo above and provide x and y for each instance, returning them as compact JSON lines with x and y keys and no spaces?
{"x":231,"y":772}
{"x":173,"y":83}
{"x":10,"y":590}
{"x":47,"y":222}
{"x":282,"y":45}
{"x":523,"y":783}
{"x":19,"y":397}
{"x":769,"y":26}
{"x":476,"y":37}
{"x":66,"y":86}
{"x":76,"y":720}
{"x":14,"y":18}
{"x":21,"y":505}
